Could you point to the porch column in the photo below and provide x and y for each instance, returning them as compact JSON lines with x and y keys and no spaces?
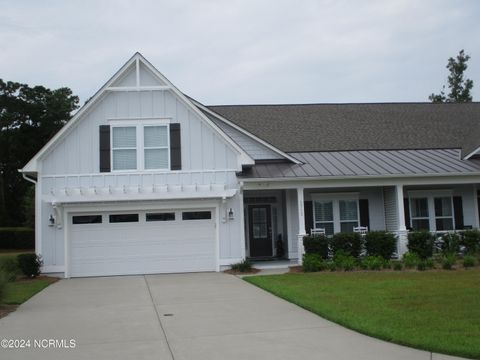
{"x":301,"y":223}
{"x":476,"y":223}
{"x":402,"y":229}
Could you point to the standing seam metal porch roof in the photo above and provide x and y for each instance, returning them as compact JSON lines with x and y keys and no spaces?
{"x":369,"y":163}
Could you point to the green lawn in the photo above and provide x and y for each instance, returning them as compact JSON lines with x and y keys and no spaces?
{"x":21,"y":290}
{"x":437,"y":311}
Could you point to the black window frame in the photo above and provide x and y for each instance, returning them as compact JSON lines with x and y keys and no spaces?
{"x":123,"y":218}
{"x":160,"y":216}
{"x":196,"y":215}
{"x":95,"y":218}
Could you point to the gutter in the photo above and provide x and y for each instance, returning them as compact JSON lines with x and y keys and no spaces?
{"x":25,"y":176}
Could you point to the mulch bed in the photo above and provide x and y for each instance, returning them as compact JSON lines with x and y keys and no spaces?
{"x":232,"y":272}
{"x":50,"y":279}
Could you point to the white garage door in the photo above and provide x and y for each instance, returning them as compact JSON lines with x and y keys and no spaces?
{"x":142,"y":242}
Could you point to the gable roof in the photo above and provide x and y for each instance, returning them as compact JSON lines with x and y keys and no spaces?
{"x":381,"y":126}
{"x":113,"y":85}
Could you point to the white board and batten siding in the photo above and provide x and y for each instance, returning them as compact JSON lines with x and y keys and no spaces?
{"x":78,"y":152}
{"x":73,"y":162}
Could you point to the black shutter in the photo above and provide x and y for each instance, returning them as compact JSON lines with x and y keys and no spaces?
{"x":308,"y":211}
{"x":175,"y":147}
{"x":364,"y":213}
{"x":458,"y":212}
{"x":104,"y":148}
{"x":406,"y":209}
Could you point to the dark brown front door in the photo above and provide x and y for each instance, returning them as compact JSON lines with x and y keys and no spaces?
{"x":260,"y":230}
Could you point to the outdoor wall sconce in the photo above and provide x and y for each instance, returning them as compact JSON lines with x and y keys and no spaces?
{"x":230,"y":214}
{"x":51,"y":220}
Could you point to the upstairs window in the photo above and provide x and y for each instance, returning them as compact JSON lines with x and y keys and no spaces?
{"x":124,"y":148}
{"x":140,"y":146}
{"x":156,"y":147}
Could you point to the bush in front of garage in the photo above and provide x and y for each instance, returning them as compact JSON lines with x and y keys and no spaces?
{"x":29,"y":264}
{"x":17,"y":238}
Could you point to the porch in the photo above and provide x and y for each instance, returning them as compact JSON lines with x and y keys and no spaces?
{"x":278,"y":214}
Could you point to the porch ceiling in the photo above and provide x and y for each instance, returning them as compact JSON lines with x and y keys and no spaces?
{"x":368,"y":162}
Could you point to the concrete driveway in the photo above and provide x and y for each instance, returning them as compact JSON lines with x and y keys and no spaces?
{"x":182,"y":316}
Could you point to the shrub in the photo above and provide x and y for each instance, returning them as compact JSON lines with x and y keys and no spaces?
{"x":9,"y":267}
{"x":316,"y":244}
{"x":331,"y":266}
{"x":411,"y":260}
{"x":17,"y":238}
{"x":380,"y":243}
{"x":3,"y":285}
{"x":421,"y":243}
{"x":449,"y":261}
{"x":373,"y":262}
{"x":29,"y":264}
{"x":387,"y":264}
{"x":450,"y":243}
{"x":471,"y":241}
{"x":429,"y":263}
{"x":397,"y":265}
{"x":313,"y":263}
{"x":422,"y":265}
{"x":344,"y":261}
{"x":350,"y":243}
{"x":468,"y":261}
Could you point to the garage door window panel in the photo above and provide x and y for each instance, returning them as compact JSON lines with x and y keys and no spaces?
{"x":86,"y":219}
{"x":170,"y":216}
{"x":196,"y":215}
{"x":123,"y":218}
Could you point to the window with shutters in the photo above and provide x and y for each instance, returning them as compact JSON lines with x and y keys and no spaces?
{"x":140,"y":146}
{"x":431,"y":210}
{"x":336,"y":213}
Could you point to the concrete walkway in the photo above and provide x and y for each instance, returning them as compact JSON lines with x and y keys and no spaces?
{"x":186,"y":316}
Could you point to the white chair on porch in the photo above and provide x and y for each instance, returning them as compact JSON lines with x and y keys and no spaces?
{"x":317,"y":231}
{"x":362,"y":230}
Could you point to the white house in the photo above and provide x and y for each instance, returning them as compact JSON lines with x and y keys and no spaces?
{"x":144,"y":179}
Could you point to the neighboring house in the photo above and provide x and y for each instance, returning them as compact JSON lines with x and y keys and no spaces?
{"x":144,"y":179}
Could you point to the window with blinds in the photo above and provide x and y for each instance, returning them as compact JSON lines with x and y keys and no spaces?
{"x":140,"y":147}
{"x":124,"y":148}
{"x":335,"y":214}
{"x":156,"y":147}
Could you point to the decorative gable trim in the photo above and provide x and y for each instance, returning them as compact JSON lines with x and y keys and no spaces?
{"x":32,"y":165}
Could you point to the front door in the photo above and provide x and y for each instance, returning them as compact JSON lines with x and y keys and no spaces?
{"x":260,"y":230}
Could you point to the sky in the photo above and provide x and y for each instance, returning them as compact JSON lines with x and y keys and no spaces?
{"x":246,"y":51}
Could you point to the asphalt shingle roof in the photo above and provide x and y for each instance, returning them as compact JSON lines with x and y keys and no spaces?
{"x":340,"y":127}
